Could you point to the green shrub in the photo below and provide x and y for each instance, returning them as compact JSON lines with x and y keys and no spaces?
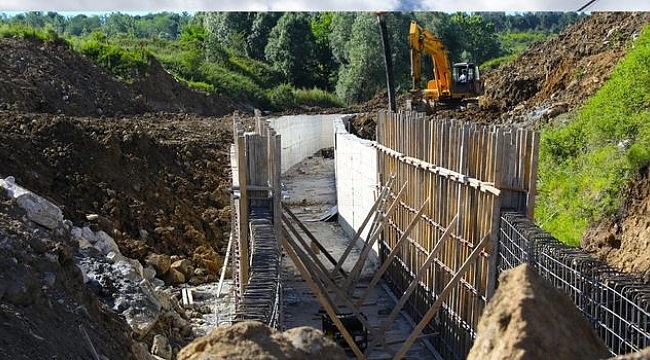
{"x":496,"y":62}
{"x":317,"y":97}
{"x":233,"y":84}
{"x":282,"y":97}
{"x":638,"y":156}
{"x":127,"y":64}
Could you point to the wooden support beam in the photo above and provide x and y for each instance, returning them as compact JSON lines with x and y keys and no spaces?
{"x":499,"y":142}
{"x":242,"y":168}
{"x":532,"y":179}
{"x":416,"y":279}
{"x":277,"y":184}
{"x":441,"y":298}
{"x":350,"y":282}
{"x":392,"y":255}
{"x":322,"y":298}
{"x":373,"y":209}
{"x":313,"y":239}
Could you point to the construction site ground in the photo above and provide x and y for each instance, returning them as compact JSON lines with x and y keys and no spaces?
{"x":148,"y":164}
{"x":311,"y":186}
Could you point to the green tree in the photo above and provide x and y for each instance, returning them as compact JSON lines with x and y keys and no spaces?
{"x":340,"y":33}
{"x":290,"y":48}
{"x":474,"y":36}
{"x":228,"y":29}
{"x":324,"y":65}
{"x":259,"y":33}
{"x":360,"y":78}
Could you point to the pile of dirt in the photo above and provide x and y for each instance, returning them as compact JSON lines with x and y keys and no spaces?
{"x":529,"y":319}
{"x":256,"y":341}
{"x":156,"y":182}
{"x":49,"y":77}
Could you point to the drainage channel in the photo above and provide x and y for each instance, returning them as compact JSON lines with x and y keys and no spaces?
{"x":312,"y":192}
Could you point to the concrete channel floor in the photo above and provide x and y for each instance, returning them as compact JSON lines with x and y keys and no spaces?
{"x":312,"y":191}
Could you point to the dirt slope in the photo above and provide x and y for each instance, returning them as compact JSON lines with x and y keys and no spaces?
{"x":38,"y":76}
{"x":566,"y":69}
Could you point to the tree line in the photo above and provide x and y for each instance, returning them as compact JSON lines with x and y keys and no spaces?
{"x":338,"y":52}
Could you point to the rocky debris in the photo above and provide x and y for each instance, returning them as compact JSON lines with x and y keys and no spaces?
{"x":39,"y":210}
{"x":160,"y":262}
{"x":161,"y":347}
{"x":43,"y":300}
{"x":184,"y":266}
{"x":529,"y":319}
{"x":561,"y":73}
{"x":312,"y":342}
{"x":254,"y":340}
{"x":162,"y":198}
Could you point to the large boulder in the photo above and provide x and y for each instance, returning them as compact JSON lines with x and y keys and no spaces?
{"x":255,"y":341}
{"x":528,"y":318}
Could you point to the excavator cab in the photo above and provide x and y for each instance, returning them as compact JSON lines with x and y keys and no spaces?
{"x":466,"y":81}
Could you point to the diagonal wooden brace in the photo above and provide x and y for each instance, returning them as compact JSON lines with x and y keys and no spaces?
{"x":325,"y":280}
{"x":443,"y":295}
{"x":350,"y":282}
{"x":416,"y":279}
{"x":392,"y":255}
{"x":385,"y":191}
{"x":321,"y":293}
{"x":304,"y":244}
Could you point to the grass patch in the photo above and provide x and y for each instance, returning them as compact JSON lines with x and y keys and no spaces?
{"x":585,"y":165}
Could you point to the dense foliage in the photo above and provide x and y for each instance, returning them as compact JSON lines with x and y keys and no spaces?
{"x":585,"y":164}
{"x":280,"y":60}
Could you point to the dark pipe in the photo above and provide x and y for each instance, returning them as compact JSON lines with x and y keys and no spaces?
{"x":388,"y":61}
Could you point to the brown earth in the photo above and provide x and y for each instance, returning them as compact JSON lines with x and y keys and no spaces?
{"x":94,"y":145}
{"x":253,"y":340}
{"x":529,"y":319}
{"x":624,"y":240}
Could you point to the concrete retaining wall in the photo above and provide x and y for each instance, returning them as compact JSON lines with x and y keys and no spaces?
{"x":303,"y":135}
{"x":356,"y":162}
{"x":356,"y":178}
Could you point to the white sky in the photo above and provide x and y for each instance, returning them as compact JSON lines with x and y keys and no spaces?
{"x":95,"y":6}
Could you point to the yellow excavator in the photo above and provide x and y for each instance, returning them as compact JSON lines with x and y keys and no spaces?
{"x":451,"y":85}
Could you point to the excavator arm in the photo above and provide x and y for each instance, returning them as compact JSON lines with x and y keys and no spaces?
{"x":422,"y":40}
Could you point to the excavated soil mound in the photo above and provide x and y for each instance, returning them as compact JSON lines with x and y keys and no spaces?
{"x":46,"y":310}
{"x":38,"y":76}
{"x":253,"y":340}
{"x":529,"y":319}
{"x":161,"y":180}
{"x":49,"y":77}
{"x":624,"y":240}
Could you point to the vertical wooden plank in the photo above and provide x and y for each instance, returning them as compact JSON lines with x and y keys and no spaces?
{"x":532,"y":177}
{"x":243,"y":213}
{"x":496,"y":216}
